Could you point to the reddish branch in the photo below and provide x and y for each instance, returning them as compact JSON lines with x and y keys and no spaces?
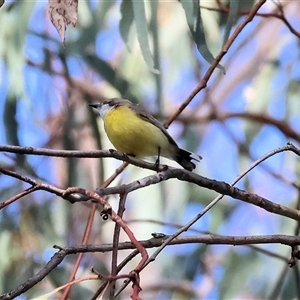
{"x":261,"y":118}
{"x":134,"y":275}
{"x":85,"y":240}
{"x":281,"y":15}
{"x":166,"y":174}
{"x":163,"y":175}
{"x":88,"y":229}
{"x":91,"y":195}
{"x":217,"y":60}
{"x":116,"y":236}
{"x":59,"y":256}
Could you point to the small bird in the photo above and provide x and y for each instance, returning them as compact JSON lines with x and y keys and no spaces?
{"x":135,"y":132}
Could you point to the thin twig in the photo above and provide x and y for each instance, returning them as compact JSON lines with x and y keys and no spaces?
{"x":116,"y":237}
{"x":295,"y":214}
{"x":211,"y":69}
{"x":58,"y":257}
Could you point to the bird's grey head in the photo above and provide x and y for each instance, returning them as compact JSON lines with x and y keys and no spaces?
{"x":106,"y":105}
{"x":102,"y":107}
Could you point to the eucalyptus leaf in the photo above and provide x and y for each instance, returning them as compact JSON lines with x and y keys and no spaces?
{"x":12,"y":126}
{"x":292,"y":102}
{"x":141,"y":25}
{"x":233,"y":13}
{"x":12,"y":40}
{"x":126,"y":10}
{"x":10,"y":122}
{"x":194,"y":20}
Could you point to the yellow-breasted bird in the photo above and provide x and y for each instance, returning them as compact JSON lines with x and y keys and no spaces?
{"x":135,"y":132}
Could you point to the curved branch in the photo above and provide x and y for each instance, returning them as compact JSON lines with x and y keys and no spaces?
{"x":180,"y":174}
{"x":210,"y":70}
{"x":58,"y":257}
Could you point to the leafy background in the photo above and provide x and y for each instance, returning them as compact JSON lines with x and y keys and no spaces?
{"x":44,"y":91}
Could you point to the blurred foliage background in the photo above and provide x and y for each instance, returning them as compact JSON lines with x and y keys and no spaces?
{"x":240,"y":116}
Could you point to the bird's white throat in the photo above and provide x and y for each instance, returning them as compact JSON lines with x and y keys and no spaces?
{"x":104,"y":109}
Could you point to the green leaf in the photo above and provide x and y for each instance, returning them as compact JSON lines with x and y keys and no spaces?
{"x":10,"y":122}
{"x":12,"y":126}
{"x":194,"y":20}
{"x":126,"y":10}
{"x":142,"y":33}
{"x":156,"y":52}
{"x":292,"y":99}
{"x":233,"y":12}
{"x":12,"y":38}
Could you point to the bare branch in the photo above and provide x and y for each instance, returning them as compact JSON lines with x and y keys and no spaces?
{"x":183,"y":175}
{"x":80,"y":154}
{"x":211,"y":69}
{"x":151,"y":243}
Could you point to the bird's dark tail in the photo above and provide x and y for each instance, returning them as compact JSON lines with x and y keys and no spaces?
{"x":187,"y":159}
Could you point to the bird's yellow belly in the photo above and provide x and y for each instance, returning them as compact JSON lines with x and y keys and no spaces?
{"x":132,"y":135}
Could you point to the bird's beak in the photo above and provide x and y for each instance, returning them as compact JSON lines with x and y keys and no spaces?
{"x":94,"y":105}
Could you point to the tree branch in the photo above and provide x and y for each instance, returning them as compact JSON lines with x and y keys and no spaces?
{"x":58,"y":257}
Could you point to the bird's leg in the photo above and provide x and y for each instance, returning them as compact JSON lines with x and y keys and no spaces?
{"x":157,"y":160}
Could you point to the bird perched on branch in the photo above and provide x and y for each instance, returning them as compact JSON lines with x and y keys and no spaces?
{"x":135,"y":132}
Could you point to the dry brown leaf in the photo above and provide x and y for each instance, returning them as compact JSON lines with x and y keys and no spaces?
{"x":63,"y":13}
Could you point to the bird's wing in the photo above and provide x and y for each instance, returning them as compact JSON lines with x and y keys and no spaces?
{"x":148,"y":117}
